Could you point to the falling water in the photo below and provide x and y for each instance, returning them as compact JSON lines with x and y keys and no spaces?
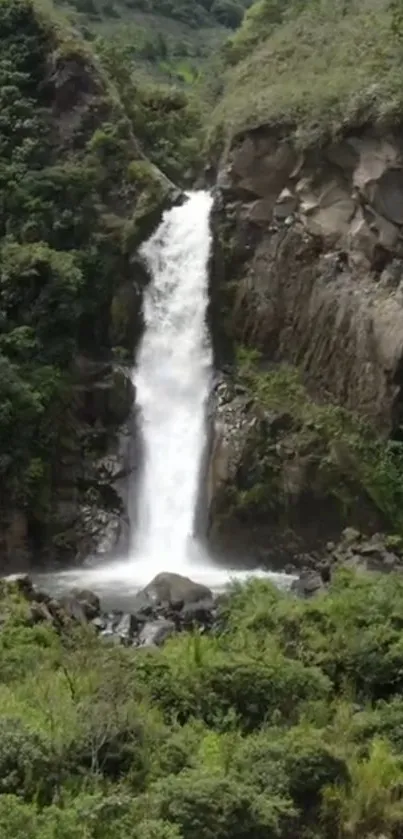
{"x":172,"y":376}
{"x":172,"y":379}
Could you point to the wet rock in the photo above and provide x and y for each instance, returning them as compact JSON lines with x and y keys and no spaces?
{"x":142,"y":606}
{"x":156,"y":632}
{"x":175,"y":590}
{"x":101,"y":530}
{"x":74,"y":609}
{"x":39,"y":613}
{"x":308,"y":584}
{"x":90,"y":602}
{"x":99,"y":623}
{"x":81,"y":605}
{"x":200,"y":613}
{"x":126,"y":627}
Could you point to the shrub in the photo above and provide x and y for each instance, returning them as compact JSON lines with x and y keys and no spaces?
{"x":26,"y":766}
{"x":372,"y":805}
{"x":206,"y":807}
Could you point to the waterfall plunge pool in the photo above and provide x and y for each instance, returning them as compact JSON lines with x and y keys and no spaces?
{"x":172,"y":375}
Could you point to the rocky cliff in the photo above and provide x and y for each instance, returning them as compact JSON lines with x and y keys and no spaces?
{"x":308,"y":272}
{"x":306,"y":154}
{"x":321,"y":287}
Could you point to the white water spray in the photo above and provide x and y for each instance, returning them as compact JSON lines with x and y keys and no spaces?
{"x":172,"y":379}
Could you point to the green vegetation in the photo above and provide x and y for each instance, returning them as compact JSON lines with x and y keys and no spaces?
{"x":287,"y":721}
{"x":73,"y":181}
{"x":313,"y":66}
{"x":346,"y":457}
{"x":165,"y":119}
{"x":194,"y":13}
{"x":165,"y":39}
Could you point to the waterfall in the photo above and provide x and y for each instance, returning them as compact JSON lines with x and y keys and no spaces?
{"x":172,"y":377}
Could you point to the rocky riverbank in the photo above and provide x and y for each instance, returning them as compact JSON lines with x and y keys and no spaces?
{"x":172,"y":603}
{"x":169,"y":604}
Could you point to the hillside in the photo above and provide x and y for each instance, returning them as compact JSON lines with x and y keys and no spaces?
{"x":314,"y":68}
{"x":167,"y":40}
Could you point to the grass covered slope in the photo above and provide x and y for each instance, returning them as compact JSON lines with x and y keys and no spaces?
{"x":312,"y":66}
{"x":288,"y":722}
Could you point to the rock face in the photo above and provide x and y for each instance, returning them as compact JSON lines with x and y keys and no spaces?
{"x":354,"y":550}
{"x":312,"y":255}
{"x":307,"y":270}
{"x":277,"y":489}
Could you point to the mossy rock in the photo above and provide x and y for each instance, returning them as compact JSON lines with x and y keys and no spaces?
{"x":291,"y":473}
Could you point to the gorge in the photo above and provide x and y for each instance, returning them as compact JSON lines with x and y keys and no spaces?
{"x":201,"y":403}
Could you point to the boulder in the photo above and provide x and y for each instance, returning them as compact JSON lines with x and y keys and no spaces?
{"x":175,"y":590}
{"x":142,"y":606}
{"x":126,"y":627}
{"x":77,"y":606}
{"x":307,"y":584}
{"x":89,"y":601}
{"x":156,"y":632}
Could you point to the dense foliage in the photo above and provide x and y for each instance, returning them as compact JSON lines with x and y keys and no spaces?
{"x":165,"y":119}
{"x":287,"y":722}
{"x":74,"y":192}
{"x":195,"y":13}
{"x":166,"y":39}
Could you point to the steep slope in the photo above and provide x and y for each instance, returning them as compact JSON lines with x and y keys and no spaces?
{"x":76,"y":195}
{"x":312,"y":67}
{"x":308,"y":273}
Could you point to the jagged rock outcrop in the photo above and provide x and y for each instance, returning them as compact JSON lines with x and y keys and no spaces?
{"x":312,"y":251}
{"x":354,"y":551}
{"x":307,"y":270}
